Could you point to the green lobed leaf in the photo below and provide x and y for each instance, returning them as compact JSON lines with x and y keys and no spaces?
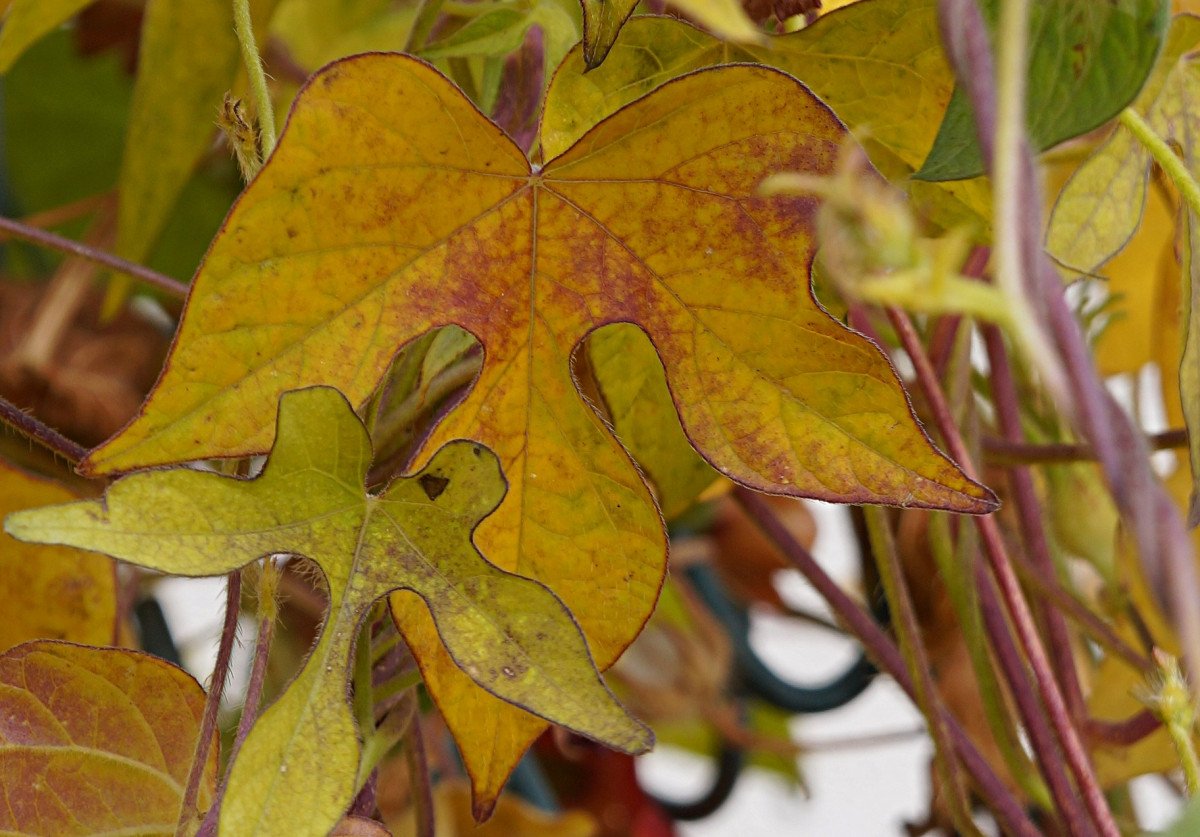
{"x":513,"y":637}
{"x":1087,"y":61}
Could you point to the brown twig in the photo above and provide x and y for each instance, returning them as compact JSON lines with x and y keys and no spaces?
{"x":212,"y":702}
{"x":43,"y":434}
{"x":999,"y":451}
{"x":52,"y":241}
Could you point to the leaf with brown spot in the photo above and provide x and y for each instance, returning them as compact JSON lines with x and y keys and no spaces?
{"x":510,"y":635}
{"x":414,"y":211}
{"x":96,"y":741}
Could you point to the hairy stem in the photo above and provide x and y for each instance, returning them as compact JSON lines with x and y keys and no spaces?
{"x":258,"y":79}
{"x":212,"y":702}
{"x":52,"y":241}
{"x":1029,"y":516}
{"x":43,"y":434}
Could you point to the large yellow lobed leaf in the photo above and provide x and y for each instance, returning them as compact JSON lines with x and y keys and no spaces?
{"x":392,"y":206}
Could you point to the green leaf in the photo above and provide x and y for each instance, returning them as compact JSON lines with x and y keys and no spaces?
{"x":63,"y":118}
{"x":1100,"y":207}
{"x":27,"y":21}
{"x":188,"y":59}
{"x":1088,"y":60}
{"x":511,"y":635}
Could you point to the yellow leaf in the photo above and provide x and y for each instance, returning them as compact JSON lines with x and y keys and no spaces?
{"x":26,"y":21}
{"x":188,"y":58}
{"x":319,"y":31}
{"x":602,"y":22}
{"x":96,"y":741}
{"x":724,"y":18}
{"x":875,"y":63}
{"x":392,"y":206}
{"x":513,"y":818}
{"x":50,"y":592}
{"x":295,"y":772}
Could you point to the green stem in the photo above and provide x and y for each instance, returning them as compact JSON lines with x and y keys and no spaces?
{"x":1167,"y":159}
{"x":912,"y":648}
{"x":427,"y":15}
{"x":258,"y":78}
{"x":1012,"y":58}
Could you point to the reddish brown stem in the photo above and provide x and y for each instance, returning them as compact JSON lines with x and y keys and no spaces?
{"x":1029,"y":516}
{"x":1004,"y":805}
{"x":1010,"y":590}
{"x":52,"y":241}
{"x":43,"y":434}
{"x":212,"y":703}
{"x":1124,"y":733}
{"x":1008,"y":452}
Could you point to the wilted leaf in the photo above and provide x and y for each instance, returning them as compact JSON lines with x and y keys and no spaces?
{"x":50,"y":592}
{"x":1087,"y":61}
{"x":876,"y":64}
{"x":511,"y":635}
{"x":438,"y":218}
{"x":26,"y":21}
{"x":187,"y":60}
{"x":96,"y":741}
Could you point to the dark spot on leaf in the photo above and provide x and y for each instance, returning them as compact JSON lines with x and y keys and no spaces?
{"x":477,"y":450}
{"x":433,"y":485}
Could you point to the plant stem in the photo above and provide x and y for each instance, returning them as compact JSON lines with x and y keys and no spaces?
{"x":258,"y":79}
{"x":422,"y":785}
{"x":1005,"y":806}
{"x":1009,"y":588}
{"x":52,"y":241}
{"x":427,"y":15}
{"x":1029,"y":517}
{"x":912,"y":647}
{"x":999,"y":451}
{"x":43,"y":434}
{"x":212,"y":702}
{"x":1167,"y":159}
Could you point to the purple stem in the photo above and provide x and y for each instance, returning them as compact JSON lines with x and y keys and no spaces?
{"x":1029,"y":515}
{"x":43,"y":238}
{"x":1010,"y":589}
{"x":212,"y":702}
{"x":1158,"y":529}
{"x":1004,"y":805}
{"x":43,"y":434}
